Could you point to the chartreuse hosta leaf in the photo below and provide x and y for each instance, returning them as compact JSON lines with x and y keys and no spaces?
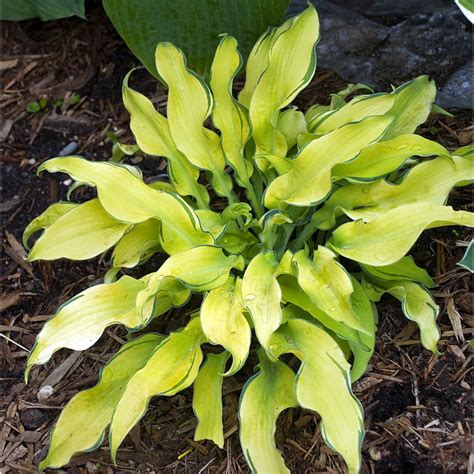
{"x":172,"y":367}
{"x":293,"y":293}
{"x":316,"y":112}
{"x":367,"y":315}
{"x":409,"y":105}
{"x":328,"y":286}
{"x":126,"y":198}
{"x":362,"y":343}
{"x":228,"y":115}
{"x":224,"y":323}
{"x":218,"y":222}
{"x":428,"y":182}
{"x":257,"y":61}
{"x":417,"y":305}
{"x":404,"y":269}
{"x":309,"y":180}
{"x":407,"y":282}
{"x":189,"y":104}
{"x":440,"y":179}
{"x":284,"y":77}
{"x":200,"y":268}
{"x":225,"y":229}
{"x":212,"y":222}
{"x":384,"y":157}
{"x":387,"y":238}
{"x":291,"y":123}
{"x":137,"y":245}
{"x":207,"y":399}
{"x":339,"y":98}
{"x":80,"y":322}
{"x":293,"y":197}
{"x":152,"y":132}
{"x":465,"y":151}
{"x":262,"y":295}
{"x":323,"y":385}
{"x":82,"y":424}
{"x":412,"y":106}
{"x":46,"y":219}
{"x":265,"y":396}
{"x":356,"y":110}
{"x":83,"y":232}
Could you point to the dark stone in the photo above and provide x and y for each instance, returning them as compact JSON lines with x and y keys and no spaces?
{"x":436,"y":44}
{"x":361,"y":50}
{"x":395,"y":8}
{"x":458,"y":90}
{"x":33,"y":418}
{"x":40,"y":455}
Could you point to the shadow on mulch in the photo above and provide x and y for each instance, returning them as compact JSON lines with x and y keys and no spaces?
{"x":416,"y":404}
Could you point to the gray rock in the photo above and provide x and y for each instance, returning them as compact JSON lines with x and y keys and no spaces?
{"x":458,"y":90}
{"x":436,"y":44}
{"x":33,"y":418}
{"x":394,"y":8}
{"x":361,"y":50}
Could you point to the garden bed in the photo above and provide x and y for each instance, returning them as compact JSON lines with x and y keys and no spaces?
{"x":417,"y":405}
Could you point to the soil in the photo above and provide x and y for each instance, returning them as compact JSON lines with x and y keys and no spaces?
{"x":417,"y":404}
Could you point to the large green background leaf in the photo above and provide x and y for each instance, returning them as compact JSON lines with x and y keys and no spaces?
{"x":17,"y":10}
{"x":468,"y":4}
{"x":193,"y":26}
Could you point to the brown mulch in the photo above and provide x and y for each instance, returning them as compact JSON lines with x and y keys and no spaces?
{"x":417,"y":405}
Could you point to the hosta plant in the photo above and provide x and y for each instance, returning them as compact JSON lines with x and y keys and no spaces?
{"x":287,"y":227}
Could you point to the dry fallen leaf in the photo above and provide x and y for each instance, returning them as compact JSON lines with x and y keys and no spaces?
{"x":6,"y":129}
{"x":16,"y":251}
{"x":10,"y":300}
{"x":8,"y":64}
{"x":455,"y":319}
{"x":466,"y":136}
